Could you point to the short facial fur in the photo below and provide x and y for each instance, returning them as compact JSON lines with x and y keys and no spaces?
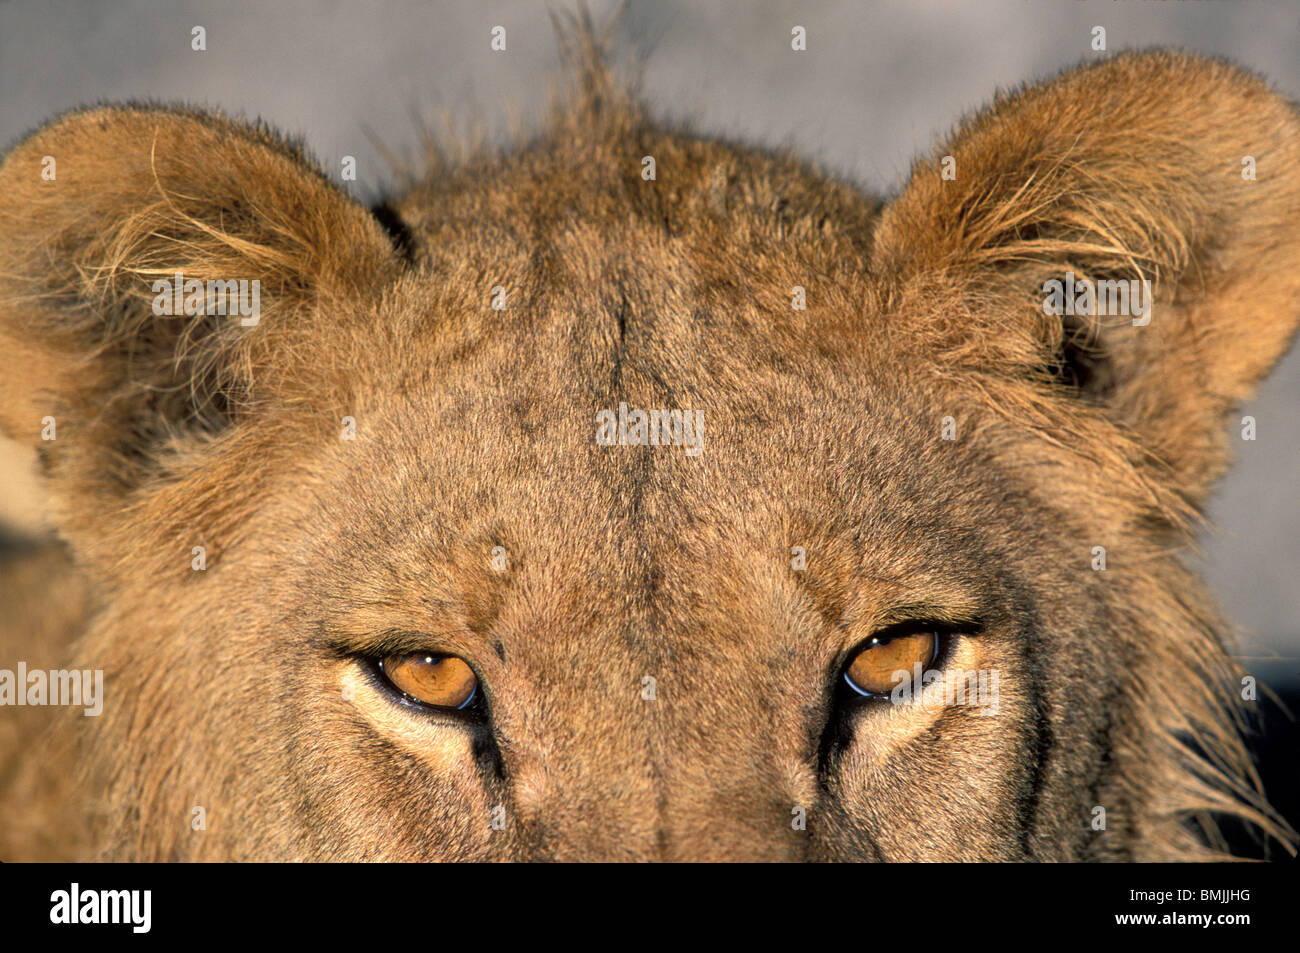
{"x":237,"y":688}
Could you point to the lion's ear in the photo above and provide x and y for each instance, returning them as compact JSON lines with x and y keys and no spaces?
{"x":102,"y":359}
{"x":1178,"y":171}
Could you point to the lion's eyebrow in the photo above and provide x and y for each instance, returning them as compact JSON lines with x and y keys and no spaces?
{"x":347,"y":640}
{"x":952,"y":612}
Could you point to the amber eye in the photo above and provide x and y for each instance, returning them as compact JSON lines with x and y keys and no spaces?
{"x":872,"y":670}
{"x":441,"y":681}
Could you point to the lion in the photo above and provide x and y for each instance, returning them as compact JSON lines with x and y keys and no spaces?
{"x":629,"y":494}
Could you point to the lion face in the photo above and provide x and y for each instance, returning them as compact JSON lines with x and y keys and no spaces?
{"x":725,"y":514}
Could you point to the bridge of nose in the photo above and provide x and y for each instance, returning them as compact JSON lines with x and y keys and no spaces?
{"x":677,"y":731}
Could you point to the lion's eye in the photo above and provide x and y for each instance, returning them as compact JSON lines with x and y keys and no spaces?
{"x":873,"y":670}
{"x":441,"y":681}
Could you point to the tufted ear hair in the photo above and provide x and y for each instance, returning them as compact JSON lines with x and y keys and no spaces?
{"x":156,"y":268}
{"x":1178,"y":177}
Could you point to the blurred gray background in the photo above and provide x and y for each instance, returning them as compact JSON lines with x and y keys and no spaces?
{"x":878,"y":83}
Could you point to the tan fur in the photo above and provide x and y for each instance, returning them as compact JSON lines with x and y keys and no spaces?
{"x":475,"y":429}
